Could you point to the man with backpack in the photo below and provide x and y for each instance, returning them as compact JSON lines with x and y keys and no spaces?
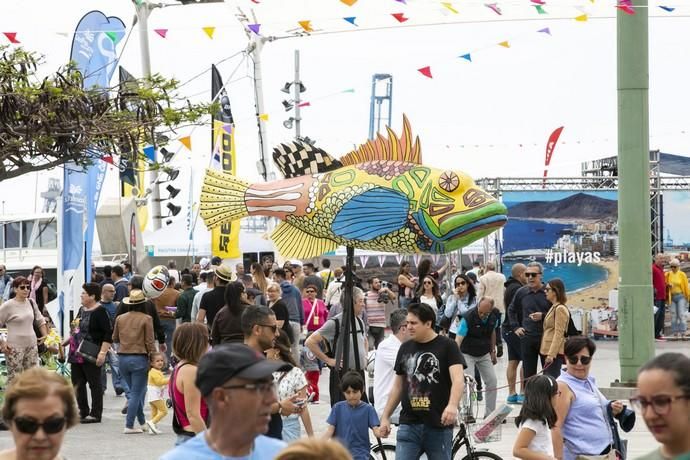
{"x":330,"y":333}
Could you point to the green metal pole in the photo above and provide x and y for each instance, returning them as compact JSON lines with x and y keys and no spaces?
{"x":635,"y":315}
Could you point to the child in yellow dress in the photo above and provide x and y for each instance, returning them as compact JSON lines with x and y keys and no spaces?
{"x":156,"y":392}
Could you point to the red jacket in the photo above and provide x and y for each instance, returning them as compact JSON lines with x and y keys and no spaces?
{"x":659,"y":283}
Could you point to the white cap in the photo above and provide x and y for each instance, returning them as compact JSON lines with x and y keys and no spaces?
{"x":204,"y":262}
{"x":296,"y":262}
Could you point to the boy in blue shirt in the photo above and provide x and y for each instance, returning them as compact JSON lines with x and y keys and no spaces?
{"x":350,"y":420}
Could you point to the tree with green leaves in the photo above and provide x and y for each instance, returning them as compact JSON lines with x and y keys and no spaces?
{"x":46,"y":122}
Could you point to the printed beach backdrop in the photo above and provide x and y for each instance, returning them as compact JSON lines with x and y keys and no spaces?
{"x":575,"y":236}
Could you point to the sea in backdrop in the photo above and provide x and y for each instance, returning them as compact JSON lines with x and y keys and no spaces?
{"x":524,"y":234}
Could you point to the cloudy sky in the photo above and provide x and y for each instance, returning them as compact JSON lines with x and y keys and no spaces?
{"x":490,"y":117}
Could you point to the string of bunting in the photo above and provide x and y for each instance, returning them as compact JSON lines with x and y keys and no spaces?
{"x":541,"y":7}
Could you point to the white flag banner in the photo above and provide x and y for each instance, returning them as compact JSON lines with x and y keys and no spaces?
{"x":416,"y":258}
{"x":382,"y":260}
{"x":399,"y":258}
{"x":363,"y":260}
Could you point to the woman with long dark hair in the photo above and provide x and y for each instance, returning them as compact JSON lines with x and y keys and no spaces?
{"x":39,"y":287}
{"x":430,"y":294}
{"x":462,"y":298}
{"x":226,"y":325}
{"x":290,"y":383}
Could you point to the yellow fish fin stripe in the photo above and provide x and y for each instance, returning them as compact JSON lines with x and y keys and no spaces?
{"x":222,"y":198}
{"x":294,"y":243}
{"x":392,"y":148}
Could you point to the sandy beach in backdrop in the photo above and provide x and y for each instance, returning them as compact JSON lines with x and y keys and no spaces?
{"x":598,"y":294}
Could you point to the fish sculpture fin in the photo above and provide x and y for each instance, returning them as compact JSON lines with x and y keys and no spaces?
{"x":222,"y":198}
{"x":298,"y":158}
{"x":374,"y":213}
{"x":391,"y":148}
{"x":293,"y":242}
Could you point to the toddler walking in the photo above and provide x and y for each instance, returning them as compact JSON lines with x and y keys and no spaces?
{"x":156,"y":392}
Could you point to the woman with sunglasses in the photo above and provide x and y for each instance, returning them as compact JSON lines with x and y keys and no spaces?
{"x":582,"y":427}
{"x":461,"y":300}
{"x":315,"y":310}
{"x":555,"y":326}
{"x":39,"y":408}
{"x":663,"y":399}
{"x":430,"y":295}
{"x":21,"y":316}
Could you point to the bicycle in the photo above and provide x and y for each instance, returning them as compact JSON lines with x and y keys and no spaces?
{"x":462,"y":438}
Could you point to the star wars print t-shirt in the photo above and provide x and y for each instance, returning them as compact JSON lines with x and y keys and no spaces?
{"x":426,"y":390}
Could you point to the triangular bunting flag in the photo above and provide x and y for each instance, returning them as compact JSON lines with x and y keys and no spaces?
{"x":349,"y":90}
{"x":150,"y":153}
{"x":426,"y":71}
{"x":435,"y":258}
{"x":466,"y":56}
{"x":363,"y":260}
{"x":161,"y":32}
{"x":539,"y":2}
{"x":626,"y":7}
{"x":581,"y":18}
{"x":382,"y":260}
{"x":349,"y":2}
{"x":304,"y":104}
{"x":540,"y":9}
{"x":398,"y":258}
{"x":216,"y":157}
{"x":545,"y":30}
{"x":112,"y":36}
{"x":400,"y":17}
{"x":254,"y":28}
{"x":138,"y":2}
{"x":108,"y":159}
{"x":449,"y":7}
{"x":11,"y":36}
{"x":494,"y":7}
{"x":227,"y":128}
{"x":186,"y":141}
{"x":209,"y":31}
{"x":351,"y":20}
{"x":404,"y":2}
{"x":306,"y":25}
{"x":416,"y":258}
{"x":667,"y":8}
{"x":263,"y":117}
{"x":504,"y":44}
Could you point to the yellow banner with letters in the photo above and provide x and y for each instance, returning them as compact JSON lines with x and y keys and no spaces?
{"x":225,"y":240}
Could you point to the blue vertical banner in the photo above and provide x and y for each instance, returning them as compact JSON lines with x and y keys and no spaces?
{"x":94,"y":51}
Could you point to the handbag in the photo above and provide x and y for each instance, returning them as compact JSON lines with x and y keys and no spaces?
{"x":610,"y":455}
{"x":88,"y":350}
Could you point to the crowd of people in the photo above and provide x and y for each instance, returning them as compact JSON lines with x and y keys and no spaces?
{"x":221,"y":344}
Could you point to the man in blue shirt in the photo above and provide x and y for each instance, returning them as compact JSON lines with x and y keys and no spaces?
{"x":237,"y":384}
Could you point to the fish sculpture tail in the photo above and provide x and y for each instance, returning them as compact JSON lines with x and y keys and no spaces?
{"x":222,"y":198}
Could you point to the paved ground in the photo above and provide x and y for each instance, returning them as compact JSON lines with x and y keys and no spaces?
{"x":106,"y":441}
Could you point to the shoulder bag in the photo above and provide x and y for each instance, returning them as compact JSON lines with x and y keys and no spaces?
{"x":87,"y":348}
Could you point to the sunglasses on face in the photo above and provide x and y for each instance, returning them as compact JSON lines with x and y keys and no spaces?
{"x":24,"y":287}
{"x":274,"y":327}
{"x":30,"y":426}
{"x":585,"y":360}
{"x":661,"y":404}
{"x":530,"y":275}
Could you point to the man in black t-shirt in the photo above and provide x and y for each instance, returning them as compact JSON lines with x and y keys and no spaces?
{"x":213,"y":300}
{"x":429,"y":383}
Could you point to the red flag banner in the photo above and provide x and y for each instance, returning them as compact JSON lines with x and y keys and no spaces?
{"x":550,"y":146}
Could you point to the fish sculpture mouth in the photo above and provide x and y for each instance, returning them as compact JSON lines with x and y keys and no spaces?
{"x":462,"y":228}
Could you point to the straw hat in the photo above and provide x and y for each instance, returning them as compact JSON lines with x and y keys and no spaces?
{"x":224,"y":272}
{"x":135,"y":297}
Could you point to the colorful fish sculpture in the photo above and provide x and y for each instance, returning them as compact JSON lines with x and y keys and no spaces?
{"x":378,"y":197}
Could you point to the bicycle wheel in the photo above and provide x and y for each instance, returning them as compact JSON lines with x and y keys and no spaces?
{"x":382,"y":451}
{"x":482,"y":455}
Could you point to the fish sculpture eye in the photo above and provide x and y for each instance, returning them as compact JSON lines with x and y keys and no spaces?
{"x":448,"y":181}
